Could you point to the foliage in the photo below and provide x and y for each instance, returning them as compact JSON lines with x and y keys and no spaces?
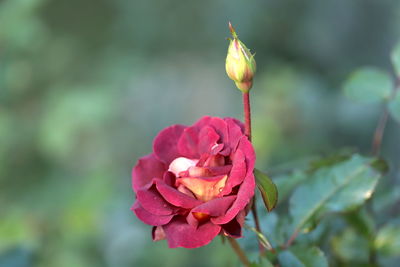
{"x":267,"y":188}
{"x":368,"y":85}
{"x":329,"y":202}
{"x":303,"y":257}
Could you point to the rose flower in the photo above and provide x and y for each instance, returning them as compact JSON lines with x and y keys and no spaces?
{"x":197,"y":182}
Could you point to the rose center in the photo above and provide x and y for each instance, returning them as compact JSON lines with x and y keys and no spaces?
{"x":181,"y":164}
{"x":198,"y":180}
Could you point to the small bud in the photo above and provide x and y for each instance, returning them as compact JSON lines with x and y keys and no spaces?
{"x":240,"y":64}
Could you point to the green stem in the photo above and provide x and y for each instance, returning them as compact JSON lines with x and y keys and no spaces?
{"x":263,"y":239}
{"x":239,"y":252}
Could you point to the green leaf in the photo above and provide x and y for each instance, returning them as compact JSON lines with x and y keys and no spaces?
{"x":263,"y":262}
{"x":362,"y":221}
{"x":394,"y":107}
{"x":287,"y":183}
{"x":298,"y":256}
{"x":368,"y":85}
{"x":385,"y":198}
{"x":381,"y":165}
{"x":387,"y":240}
{"x":395,"y":56}
{"x":276,"y":228}
{"x":338,"y":188}
{"x":350,"y":246}
{"x":268,"y":189}
{"x":328,"y":161}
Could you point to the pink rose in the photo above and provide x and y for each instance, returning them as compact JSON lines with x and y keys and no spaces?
{"x":197,"y":182}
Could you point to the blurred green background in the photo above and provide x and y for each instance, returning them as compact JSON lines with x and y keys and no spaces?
{"x":85,"y":85}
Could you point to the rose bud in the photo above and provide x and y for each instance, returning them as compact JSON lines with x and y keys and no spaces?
{"x":240,"y":64}
{"x":197,"y":182}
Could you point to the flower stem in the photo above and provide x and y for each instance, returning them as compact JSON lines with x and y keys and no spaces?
{"x":247,"y":115}
{"x":257,"y":224}
{"x":380,"y":128}
{"x":247,"y":132}
{"x":239,"y":252}
{"x":291,"y":239}
{"x":379,"y":131}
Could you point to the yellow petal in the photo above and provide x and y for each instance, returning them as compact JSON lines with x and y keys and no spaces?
{"x":204,"y":190}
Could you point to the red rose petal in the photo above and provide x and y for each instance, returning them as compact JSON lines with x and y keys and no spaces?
{"x":145,"y":170}
{"x":202,"y":122}
{"x":208,"y":138}
{"x":197,"y":172}
{"x":188,"y":142}
{"x":237,"y":173}
{"x":165,"y":144}
{"x":215,"y":161}
{"x":215,"y":207}
{"x":234,"y":227}
{"x":237,"y":122}
{"x":235,"y":132}
{"x":180,"y":234}
{"x":247,"y":148}
{"x":221,"y":127}
{"x":153,"y":202}
{"x":175,"y":197}
{"x":216,"y":149}
{"x":191,"y":220}
{"x":219,"y":170}
{"x":169,"y":178}
{"x":149,"y":218}
{"x":246,"y":192}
